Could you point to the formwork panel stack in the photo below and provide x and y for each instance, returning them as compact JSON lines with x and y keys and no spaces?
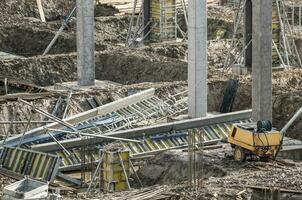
{"x":163,"y":16}
{"x":115,"y":169}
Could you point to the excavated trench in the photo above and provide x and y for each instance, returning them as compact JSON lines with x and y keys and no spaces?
{"x":31,"y":37}
{"x":29,"y":41}
{"x":137,"y":66}
{"x":23,"y":34}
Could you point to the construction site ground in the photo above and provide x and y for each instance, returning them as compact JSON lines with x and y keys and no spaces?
{"x":163,"y":66}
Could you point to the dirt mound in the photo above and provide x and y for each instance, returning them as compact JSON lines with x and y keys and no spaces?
{"x":171,"y":167}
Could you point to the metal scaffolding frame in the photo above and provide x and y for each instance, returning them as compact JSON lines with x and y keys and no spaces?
{"x":286,"y":51}
{"x":294,"y":13}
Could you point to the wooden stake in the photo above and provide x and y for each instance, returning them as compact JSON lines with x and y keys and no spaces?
{"x":40,"y":8}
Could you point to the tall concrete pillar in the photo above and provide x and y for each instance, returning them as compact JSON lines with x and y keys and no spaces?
{"x":197,"y":58}
{"x":85,"y":42}
{"x":248,"y":33}
{"x":262,"y":60}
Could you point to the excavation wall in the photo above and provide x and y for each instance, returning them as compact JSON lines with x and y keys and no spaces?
{"x":117,"y":65}
{"x":53,"y":9}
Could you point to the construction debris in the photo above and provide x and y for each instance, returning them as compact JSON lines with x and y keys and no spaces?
{"x":26,"y":189}
{"x":129,"y":135}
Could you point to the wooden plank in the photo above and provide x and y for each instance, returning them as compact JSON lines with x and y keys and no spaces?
{"x":41,"y":11}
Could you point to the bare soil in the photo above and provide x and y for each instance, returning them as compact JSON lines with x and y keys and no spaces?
{"x":222,"y":178}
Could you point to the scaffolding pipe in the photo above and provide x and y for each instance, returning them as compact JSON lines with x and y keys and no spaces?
{"x":291,"y":121}
{"x":65,"y":23}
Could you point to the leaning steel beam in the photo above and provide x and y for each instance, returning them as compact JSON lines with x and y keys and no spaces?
{"x":41,"y":11}
{"x":145,"y":131}
{"x":96,"y":136}
{"x":153,"y":144}
{"x":69,"y":179}
{"x":84,"y":116}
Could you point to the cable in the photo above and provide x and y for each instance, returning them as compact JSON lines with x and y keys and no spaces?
{"x":265,"y":147}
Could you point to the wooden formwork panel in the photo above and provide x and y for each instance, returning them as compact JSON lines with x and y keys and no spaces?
{"x":163,"y":14}
{"x":112,"y":172}
{"x":24,"y":162}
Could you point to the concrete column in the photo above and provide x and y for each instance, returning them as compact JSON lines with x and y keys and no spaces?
{"x":248,"y":33}
{"x":197,"y":58}
{"x":85,"y":42}
{"x":262,"y":60}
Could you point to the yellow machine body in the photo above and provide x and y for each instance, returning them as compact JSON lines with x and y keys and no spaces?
{"x":263,"y":144}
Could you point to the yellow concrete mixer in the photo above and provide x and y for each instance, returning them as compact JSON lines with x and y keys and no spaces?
{"x":254,"y":139}
{"x":259,"y":139}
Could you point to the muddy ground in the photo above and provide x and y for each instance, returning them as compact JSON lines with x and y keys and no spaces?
{"x":220,"y":177}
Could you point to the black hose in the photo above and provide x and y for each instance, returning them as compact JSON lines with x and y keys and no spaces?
{"x":265,"y":125}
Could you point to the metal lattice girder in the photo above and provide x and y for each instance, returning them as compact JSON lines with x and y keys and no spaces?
{"x":155,"y":143}
{"x":136,"y":110}
{"x":81,"y":119}
{"x":130,"y":112}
